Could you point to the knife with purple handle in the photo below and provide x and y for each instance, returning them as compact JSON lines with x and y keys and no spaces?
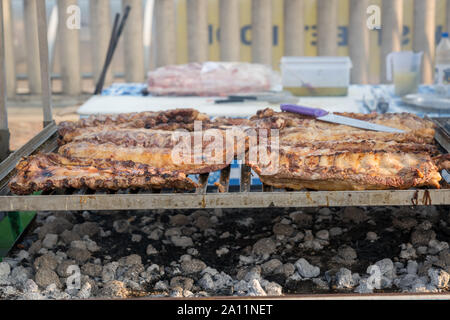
{"x":324,"y":115}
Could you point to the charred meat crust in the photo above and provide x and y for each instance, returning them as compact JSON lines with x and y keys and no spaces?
{"x":358,"y":146}
{"x":51,"y":171}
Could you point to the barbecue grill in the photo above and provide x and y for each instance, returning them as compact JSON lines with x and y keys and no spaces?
{"x":245,"y":195}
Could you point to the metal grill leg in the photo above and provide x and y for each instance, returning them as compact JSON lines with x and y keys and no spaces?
{"x":4,"y":131}
{"x":4,"y":144}
{"x":225,"y":178}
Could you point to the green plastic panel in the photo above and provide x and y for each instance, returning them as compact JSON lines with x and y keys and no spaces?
{"x":11,"y":227}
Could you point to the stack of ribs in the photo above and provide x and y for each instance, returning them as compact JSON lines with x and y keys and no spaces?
{"x":323,"y":156}
{"x":133,"y":150}
{"x":136,"y":150}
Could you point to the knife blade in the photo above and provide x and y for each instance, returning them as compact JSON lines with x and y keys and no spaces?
{"x":324,"y":115}
{"x":445,"y":175}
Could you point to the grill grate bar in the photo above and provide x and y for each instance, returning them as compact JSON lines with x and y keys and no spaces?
{"x":245,"y":178}
{"x":225,"y":179}
{"x":203,"y":182}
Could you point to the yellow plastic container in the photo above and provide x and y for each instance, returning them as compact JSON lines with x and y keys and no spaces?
{"x":316,"y":76}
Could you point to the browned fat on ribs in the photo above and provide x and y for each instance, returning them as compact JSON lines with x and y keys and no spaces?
{"x":44,"y":172}
{"x":189,"y":152}
{"x":162,"y":120}
{"x":347,"y":170}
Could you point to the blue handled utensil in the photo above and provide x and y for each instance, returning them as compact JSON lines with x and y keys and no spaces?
{"x":324,"y":115}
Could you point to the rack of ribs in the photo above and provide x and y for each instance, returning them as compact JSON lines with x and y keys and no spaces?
{"x":295,"y":127}
{"x":350,"y":170}
{"x":120,"y":151}
{"x":44,"y":172}
{"x":163,"y":120}
{"x":323,"y":156}
{"x":189,"y":152}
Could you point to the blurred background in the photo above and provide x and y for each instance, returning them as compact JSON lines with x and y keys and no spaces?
{"x":163,"y":32}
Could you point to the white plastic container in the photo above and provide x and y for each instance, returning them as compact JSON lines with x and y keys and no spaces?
{"x":442,"y":71}
{"x":316,"y":76}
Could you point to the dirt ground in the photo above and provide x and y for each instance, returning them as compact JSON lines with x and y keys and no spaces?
{"x":26,"y":122}
{"x":25,"y":111}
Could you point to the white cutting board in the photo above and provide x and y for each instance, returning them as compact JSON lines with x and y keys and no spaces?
{"x":122,"y":104}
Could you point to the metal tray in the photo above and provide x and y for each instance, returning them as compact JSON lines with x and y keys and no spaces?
{"x":243,"y":196}
{"x":427,"y":102}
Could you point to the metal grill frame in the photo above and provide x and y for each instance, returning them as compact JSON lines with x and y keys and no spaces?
{"x":203,"y":197}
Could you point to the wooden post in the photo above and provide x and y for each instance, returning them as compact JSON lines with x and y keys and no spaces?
{"x":52,"y":35}
{"x":424,"y":35}
{"x":391,"y":31}
{"x":327,"y":32}
{"x":229,"y":30}
{"x":44,"y":62}
{"x":294,"y":27}
{"x":4,"y":131}
{"x":148,"y":32}
{"x":165,"y":33}
{"x":262,"y":31}
{"x":8,"y":27}
{"x":133,"y":42}
{"x":448,"y":16}
{"x":32,"y":47}
{"x":358,"y":36}
{"x":100,"y":27}
{"x":197,"y":26}
{"x":70,"y":48}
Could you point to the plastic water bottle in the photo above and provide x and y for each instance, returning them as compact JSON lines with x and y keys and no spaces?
{"x":442,"y":70}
